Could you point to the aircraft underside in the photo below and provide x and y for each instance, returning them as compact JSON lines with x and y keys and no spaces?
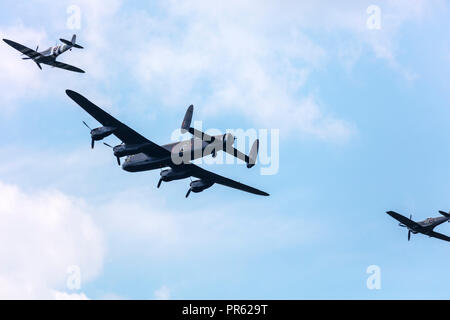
{"x":145,"y":165}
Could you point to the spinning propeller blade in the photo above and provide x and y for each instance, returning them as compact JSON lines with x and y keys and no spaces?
{"x":87,"y":126}
{"x":409,"y":231}
{"x":118,"y":158}
{"x":92,"y":140}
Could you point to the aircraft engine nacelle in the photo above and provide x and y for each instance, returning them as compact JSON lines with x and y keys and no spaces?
{"x":123,"y":150}
{"x":101,"y":133}
{"x":198,"y":186}
{"x":228,"y":138}
{"x":170,"y":175}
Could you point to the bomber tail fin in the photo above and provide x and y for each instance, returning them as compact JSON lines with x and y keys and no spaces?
{"x":253,"y":154}
{"x":186,"y":124}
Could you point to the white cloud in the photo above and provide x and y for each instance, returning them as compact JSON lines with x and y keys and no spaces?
{"x":255,"y":58}
{"x":154,"y":231}
{"x":18,"y":79}
{"x":136,"y":221}
{"x":162,"y":293}
{"x":42,"y":233}
{"x":58,"y":295}
{"x":252,"y":57}
{"x":97,"y":24}
{"x":111,"y":296}
{"x":23,"y":81}
{"x":54,"y":164}
{"x":248,"y":67}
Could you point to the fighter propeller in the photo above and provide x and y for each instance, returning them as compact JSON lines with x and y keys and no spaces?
{"x":409,"y":231}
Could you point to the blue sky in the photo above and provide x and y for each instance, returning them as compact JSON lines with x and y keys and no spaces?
{"x":363,"y":121}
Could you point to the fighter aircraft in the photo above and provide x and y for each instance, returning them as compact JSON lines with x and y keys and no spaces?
{"x":143,"y":154}
{"x":425,"y":227}
{"x":48,"y":56}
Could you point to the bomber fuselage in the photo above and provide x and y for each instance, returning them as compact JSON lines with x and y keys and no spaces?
{"x":180,"y":152}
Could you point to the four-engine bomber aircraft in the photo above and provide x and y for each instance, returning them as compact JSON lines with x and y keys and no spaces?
{"x":48,"y":56}
{"x":425,"y":227}
{"x":143,"y":154}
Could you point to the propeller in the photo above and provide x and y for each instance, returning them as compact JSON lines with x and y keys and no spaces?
{"x":118,"y":158}
{"x":37,"y":48}
{"x":189,"y":191}
{"x":409,"y":231}
{"x":160,"y":179}
{"x":92,"y":140}
{"x":87,"y":126}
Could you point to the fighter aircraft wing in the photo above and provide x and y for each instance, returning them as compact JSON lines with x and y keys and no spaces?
{"x":26,"y":51}
{"x":61,"y":65}
{"x":209,"y":176}
{"x":123,"y":132}
{"x":438,"y":235}
{"x":402,"y":219}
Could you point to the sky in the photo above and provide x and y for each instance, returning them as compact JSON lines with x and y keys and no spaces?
{"x":355,"y":97}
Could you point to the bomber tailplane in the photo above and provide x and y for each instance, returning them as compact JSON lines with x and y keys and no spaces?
{"x":249,"y":159}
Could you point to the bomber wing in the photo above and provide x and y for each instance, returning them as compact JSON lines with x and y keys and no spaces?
{"x":209,"y":176}
{"x":123,"y":132}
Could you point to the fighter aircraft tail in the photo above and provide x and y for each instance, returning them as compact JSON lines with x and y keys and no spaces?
{"x":72,"y":43}
{"x":445,"y":214}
